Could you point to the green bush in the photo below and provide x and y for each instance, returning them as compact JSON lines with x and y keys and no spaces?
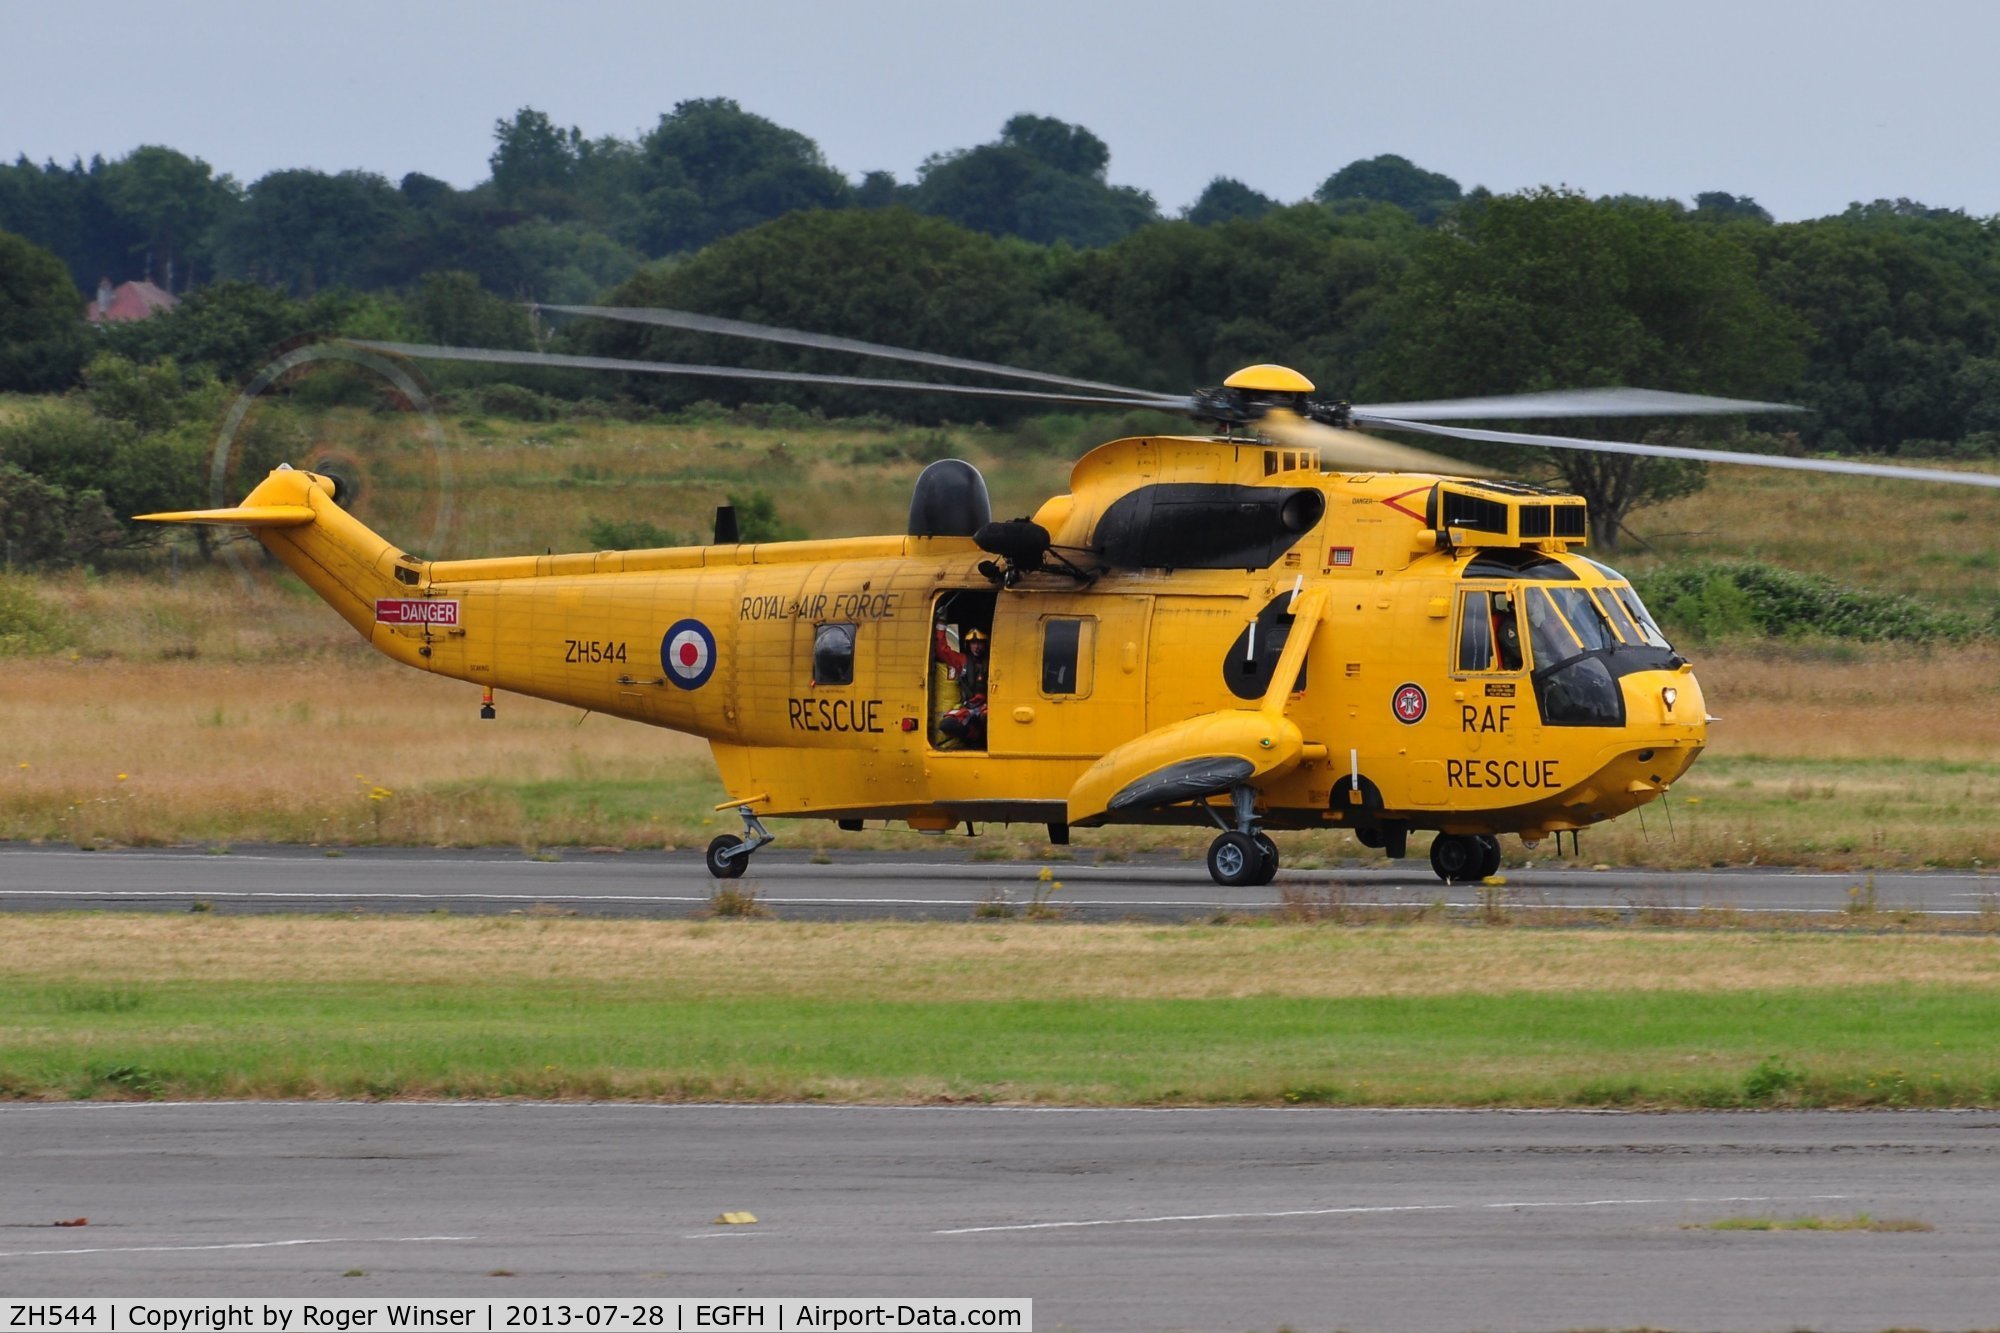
{"x":511,"y":400}
{"x":28,"y":623}
{"x":632,"y":534}
{"x":1714,"y":599}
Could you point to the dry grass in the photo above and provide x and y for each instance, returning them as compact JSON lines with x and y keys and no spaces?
{"x":1856,"y":1222}
{"x":168,"y":752}
{"x":974,"y":962}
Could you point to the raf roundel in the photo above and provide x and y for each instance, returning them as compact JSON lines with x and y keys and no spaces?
{"x":687,"y":652}
{"x":1409,"y":703}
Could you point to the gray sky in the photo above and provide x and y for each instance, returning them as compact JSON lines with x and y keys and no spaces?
{"x":1804,"y":105}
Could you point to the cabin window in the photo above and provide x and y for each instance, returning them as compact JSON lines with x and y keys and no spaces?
{"x":1489,"y":633}
{"x":1066,"y":655}
{"x":833,"y":653}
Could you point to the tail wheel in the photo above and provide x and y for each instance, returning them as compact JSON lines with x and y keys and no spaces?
{"x":1456,"y":857}
{"x":1235,"y":859}
{"x":1270,"y":851}
{"x":1489,"y":863}
{"x":720,"y":864}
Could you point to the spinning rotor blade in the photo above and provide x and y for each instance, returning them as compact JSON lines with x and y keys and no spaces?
{"x":498,"y":356}
{"x":1567,"y":403}
{"x":736,"y":328}
{"x":1699,"y":455}
{"x":1350,"y":450}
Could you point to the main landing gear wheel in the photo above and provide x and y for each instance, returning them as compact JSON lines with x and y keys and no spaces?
{"x":1458,"y":857}
{"x":1235,"y":860}
{"x":1270,"y":851}
{"x":1490,"y":864}
{"x":721,"y":863}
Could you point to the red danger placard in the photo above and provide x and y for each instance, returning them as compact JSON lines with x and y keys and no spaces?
{"x":415,"y":611}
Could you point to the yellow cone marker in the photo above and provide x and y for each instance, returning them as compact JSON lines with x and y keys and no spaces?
{"x":734,"y":1220}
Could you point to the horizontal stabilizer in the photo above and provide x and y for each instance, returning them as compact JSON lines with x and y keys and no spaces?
{"x":244,"y":516}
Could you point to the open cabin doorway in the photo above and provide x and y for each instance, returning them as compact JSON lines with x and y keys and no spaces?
{"x":960,"y":663}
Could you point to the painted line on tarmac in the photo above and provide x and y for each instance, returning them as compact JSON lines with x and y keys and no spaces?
{"x":238,"y":1245}
{"x":1360,"y":1209}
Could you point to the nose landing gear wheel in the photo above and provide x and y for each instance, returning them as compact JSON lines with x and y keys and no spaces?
{"x":1490,"y":863}
{"x":1235,"y":859}
{"x":720,"y":863}
{"x":1456,"y":857}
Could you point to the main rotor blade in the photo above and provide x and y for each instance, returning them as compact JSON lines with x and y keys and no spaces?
{"x":1569,"y":403}
{"x":737,"y":328}
{"x":499,"y":356}
{"x":1350,"y":450}
{"x":1699,"y":455}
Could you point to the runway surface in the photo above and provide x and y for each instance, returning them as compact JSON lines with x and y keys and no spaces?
{"x":1107,"y":1219}
{"x":910,"y":885}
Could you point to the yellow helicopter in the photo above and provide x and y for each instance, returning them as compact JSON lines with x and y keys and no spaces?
{"x":1281,"y":624}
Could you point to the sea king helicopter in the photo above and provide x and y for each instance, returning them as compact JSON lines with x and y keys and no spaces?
{"x":1281,"y":623}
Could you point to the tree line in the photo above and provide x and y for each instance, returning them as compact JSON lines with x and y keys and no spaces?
{"x":1393,"y":282}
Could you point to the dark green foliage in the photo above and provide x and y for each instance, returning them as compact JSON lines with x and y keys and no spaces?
{"x":511,"y":400}
{"x":43,"y":524}
{"x":42,"y":333}
{"x":888,"y":276}
{"x":1042,"y":180}
{"x":758,"y":521}
{"x":453,"y":309}
{"x":1904,"y":314}
{"x":231,"y":327}
{"x":80,"y":452}
{"x":1390,"y":179}
{"x":173,"y":201}
{"x":1549,"y":290}
{"x":632,"y":534}
{"x":711,"y":168}
{"x":305,"y":230}
{"x":1225,"y":199}
{"x":1721,"y":599}
{"x":1299,"y":285}
{"x":1720,"y":206}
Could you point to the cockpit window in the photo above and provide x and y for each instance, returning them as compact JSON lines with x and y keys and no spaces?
{"x":1585,"y":620}
{"x":1551,"y":638}
{"x":1648,"y":627}
{"x":1621,"y":620}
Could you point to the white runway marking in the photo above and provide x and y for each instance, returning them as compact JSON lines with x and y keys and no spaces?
{"x":1374,"y":1208}
{"x":238,"y":1245}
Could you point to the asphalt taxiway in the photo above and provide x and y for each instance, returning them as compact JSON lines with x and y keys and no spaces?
{"x":1108,"y":1219}
{"x":916,"y":885}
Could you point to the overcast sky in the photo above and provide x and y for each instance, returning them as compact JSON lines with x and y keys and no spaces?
{"x":1806,"y":105}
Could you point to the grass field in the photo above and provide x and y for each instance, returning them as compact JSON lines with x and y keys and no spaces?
{"x":211,"y":1006}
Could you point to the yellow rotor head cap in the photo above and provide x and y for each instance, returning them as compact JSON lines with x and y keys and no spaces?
{"x":1268,"y":378}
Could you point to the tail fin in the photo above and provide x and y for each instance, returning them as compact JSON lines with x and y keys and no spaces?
{"x":350,"y":566}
